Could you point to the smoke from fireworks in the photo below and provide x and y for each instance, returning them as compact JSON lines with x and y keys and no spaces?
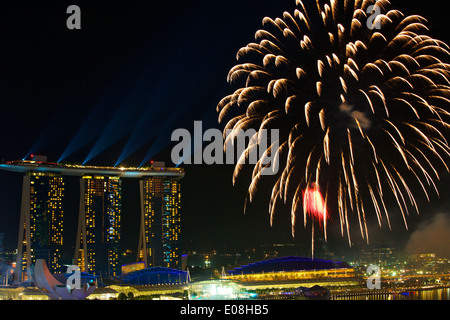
{"x":360,"y":95}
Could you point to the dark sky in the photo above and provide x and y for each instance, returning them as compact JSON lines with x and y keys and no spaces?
{"x":133,"y":73}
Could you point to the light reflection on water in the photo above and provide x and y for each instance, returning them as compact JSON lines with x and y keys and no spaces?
{"x":434,"y":294}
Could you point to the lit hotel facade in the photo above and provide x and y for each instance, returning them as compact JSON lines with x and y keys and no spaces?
{"x":97,"y":247}
{"x":159,"y":240}
{"x":41,"y":223}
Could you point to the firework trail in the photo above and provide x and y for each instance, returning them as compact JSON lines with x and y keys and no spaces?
{"x":360,"y":95}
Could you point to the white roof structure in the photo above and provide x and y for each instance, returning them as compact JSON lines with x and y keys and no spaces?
{"x":54,"y":289}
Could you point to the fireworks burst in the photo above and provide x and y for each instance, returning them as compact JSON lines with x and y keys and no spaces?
{"x":360,"y":95}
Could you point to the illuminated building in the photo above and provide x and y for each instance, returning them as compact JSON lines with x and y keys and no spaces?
{"x":1,"y":242}
{"x":41,"y":221}
{"x":219,"y":289}
{"x":159,"y":241}
{"x":98,"y":238}
{"x":156,"y":275}
{"x":292,"y":272}
{"x":286,"y":264}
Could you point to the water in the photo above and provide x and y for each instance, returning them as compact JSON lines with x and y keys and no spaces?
{"x":432,"y":294}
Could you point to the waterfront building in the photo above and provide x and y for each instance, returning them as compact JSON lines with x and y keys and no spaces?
{"x":288,"y":273}
{"x":100,"y":208}
{"x":41,"y":223}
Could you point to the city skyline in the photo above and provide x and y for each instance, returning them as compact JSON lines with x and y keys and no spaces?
{"x":53,"y":116}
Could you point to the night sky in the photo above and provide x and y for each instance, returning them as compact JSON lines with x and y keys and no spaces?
{"x":116,"y":89}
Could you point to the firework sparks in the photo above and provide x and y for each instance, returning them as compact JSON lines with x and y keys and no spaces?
{"x":362,"y":110}
{"x":314,"y":205}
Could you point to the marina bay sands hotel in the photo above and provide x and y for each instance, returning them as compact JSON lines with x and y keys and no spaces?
{"x":99,"y":221}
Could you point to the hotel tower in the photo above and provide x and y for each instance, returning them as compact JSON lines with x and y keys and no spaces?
{"x":99,"y":221}
{"x":41,"y":223}
{"x":159,"y":240}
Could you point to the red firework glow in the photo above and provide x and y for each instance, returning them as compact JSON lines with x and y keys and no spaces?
{"x":314,"y":204}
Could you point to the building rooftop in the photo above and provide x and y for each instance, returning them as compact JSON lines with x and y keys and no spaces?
{"x":81,"y":170}
{"x":292,"y":263}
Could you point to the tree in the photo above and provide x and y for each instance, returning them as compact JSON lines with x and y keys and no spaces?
{"x":122,"y":296}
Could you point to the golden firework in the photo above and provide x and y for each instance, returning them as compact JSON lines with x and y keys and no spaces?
{"x":360,"y":95}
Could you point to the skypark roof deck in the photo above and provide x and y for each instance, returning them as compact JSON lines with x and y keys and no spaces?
{"x":25,"y":166}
